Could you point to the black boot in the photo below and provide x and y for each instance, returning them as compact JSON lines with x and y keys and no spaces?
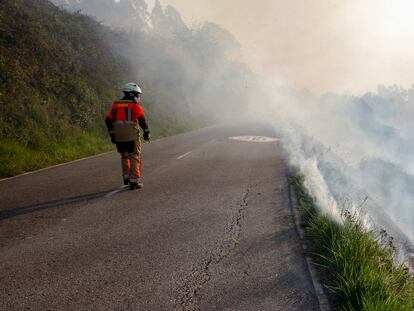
{"x":137,"y":184}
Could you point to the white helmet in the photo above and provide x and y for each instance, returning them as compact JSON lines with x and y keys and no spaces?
{"x":131,"y":87}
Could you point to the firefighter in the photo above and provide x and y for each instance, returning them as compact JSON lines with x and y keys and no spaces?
{"x":123,"y":122}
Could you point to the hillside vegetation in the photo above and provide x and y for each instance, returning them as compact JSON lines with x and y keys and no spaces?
{"x":59,"y":72}
{"x":57,"y":76}
{"x":194,"y":70}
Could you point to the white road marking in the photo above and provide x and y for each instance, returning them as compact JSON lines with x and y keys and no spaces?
{"x":184,"y":155}
{"x":112,"y":193}
{"x":66,"y":163}
{"x":255,"y":139}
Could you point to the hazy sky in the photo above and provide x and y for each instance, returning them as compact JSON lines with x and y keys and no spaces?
{"x":323,"y":45}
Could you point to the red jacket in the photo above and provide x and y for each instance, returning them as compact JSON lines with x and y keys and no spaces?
{"x":126,"y":110}
{"x":126,"y":114}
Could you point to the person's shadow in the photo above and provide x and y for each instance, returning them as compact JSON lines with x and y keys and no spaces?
{"x":5,"y":214}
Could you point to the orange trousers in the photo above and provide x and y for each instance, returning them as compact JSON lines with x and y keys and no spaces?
{"x":131,"y":162}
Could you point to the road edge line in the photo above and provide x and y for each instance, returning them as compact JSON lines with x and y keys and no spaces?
{"x":96,"y":155}
{"x":57,"y":165}
{"x":317,"y":285}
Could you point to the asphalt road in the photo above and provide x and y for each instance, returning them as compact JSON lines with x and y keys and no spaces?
{"x":211,"y":230}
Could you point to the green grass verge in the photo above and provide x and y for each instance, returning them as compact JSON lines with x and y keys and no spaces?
{"x":357,"y":266}
{"x":17,"y":158}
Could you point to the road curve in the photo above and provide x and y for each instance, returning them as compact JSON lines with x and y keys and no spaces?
{"x":211,"y":230}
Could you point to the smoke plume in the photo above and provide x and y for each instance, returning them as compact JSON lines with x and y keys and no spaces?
{"x":192,"y":71}
{"x":356,"y":151}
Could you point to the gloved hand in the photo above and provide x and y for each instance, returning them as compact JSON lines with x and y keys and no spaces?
{"x":147,"y":135}
{"x":113,"y":138}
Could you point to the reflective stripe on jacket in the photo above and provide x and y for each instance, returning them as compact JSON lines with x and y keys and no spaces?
{"x":124,"y":117}
{"x":126,"y":110}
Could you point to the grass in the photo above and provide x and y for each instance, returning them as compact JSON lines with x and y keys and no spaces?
{"x":17,"y":158}
{"x":357,"y":267}
{"x":56,"y":91}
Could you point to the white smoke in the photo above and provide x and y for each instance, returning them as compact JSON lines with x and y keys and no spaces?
{"x":193,"y":70}
{"x":355,"y":151}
